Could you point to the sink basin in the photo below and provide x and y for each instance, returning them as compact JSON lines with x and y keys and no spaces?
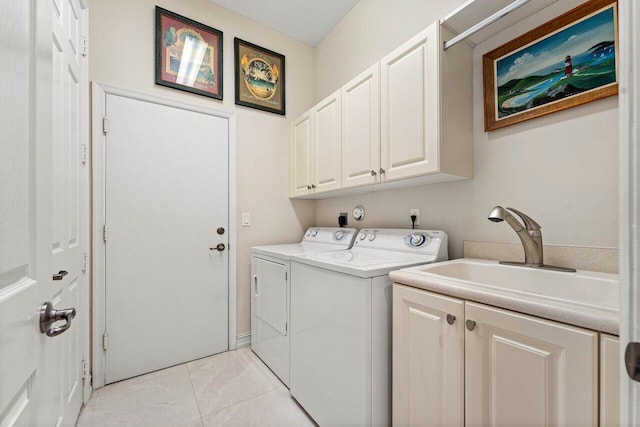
{"x":598,"y":290}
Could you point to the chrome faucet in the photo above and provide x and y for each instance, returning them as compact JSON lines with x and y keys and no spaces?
{"x":530,"y":235}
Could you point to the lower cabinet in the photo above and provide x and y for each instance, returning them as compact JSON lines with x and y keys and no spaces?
{"x":461,"y":363}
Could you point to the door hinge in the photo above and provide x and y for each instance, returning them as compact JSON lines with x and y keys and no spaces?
{"x":104,"y":233}
{"x":85,"y":370}
{"x":105,"y":341}
{"x":85,"y":46}
{"x":85,"y":262}
{"x":84,"y":153}
{"x":105,"y":125}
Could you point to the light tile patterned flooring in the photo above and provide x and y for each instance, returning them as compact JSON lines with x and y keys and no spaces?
{"x":229,"y":389}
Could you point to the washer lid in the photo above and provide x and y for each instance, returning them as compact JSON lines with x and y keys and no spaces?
{"x":364,"y":262}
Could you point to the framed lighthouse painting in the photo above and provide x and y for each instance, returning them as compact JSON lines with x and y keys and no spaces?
{"x":564,"y":63}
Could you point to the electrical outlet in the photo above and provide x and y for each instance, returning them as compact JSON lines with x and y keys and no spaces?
{"x":345,"y":215}
{"x":416,"y":212}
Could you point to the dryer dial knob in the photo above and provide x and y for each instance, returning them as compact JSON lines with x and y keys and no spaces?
{"x":416,"y":240}
{"x":372,"y":236}
{"x":308,"y":233}
{"x":338,"y":235}
{"x":363,"y":235}
{"x":314,"y":233}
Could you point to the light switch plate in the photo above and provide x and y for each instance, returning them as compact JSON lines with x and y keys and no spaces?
{"x":246,"y":219}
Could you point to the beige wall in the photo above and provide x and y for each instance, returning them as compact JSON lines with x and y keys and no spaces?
{"x":561,"y":169}
{"x":122,"y":54}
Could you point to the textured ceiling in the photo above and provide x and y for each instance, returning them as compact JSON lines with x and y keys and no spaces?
{"x":306,"y":20}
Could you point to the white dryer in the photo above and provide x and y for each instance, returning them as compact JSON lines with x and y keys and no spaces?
{"x":341,"y":324}
{"x":270,"y":294}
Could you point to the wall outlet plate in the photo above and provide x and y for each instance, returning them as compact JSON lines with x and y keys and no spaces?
{"x":343,"y":215}
{"x":416,"y":212}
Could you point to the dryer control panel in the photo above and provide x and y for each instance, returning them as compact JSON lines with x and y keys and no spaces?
{"x":338,"y":236}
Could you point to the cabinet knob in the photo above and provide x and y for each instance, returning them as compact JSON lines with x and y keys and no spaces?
{"x":373,"y":173}
{"x":308,"y":187}
{"x":382,"y":171}
{"x":451,"y":319}
{"x":470,"y":324}
{"x":313,"y":186}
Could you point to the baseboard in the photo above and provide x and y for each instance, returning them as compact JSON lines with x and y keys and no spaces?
{"x":243,"y":340}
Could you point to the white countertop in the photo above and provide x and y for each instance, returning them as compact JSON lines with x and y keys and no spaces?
{"x":603,"y":318}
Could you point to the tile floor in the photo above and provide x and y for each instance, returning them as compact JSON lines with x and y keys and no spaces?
{"x":228,"y":389}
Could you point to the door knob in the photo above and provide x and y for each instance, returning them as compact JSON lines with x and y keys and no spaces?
{"x":632,"y":360}
{"x":48,"y":316}
{"x":60,"y":275}
{"x":219,"y":247}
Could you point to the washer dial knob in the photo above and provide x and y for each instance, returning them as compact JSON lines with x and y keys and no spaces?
{"x":372,"y":236}
{"x":308,"y":233}
{"x":314,"y":233}
{"x":416,"y":240}
{"x":338,"y":235}
{"x":363,"y":235}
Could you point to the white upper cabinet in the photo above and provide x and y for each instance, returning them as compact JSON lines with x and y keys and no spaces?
{"x":426,"y":109}
{"x":361,"y":129}
{"x":407,"y":120}
{"x":409,"y":107}
{"x":300,"y":148}
{"x":327,"y":139}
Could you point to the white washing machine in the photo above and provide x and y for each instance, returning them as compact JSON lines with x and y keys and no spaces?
{"x":270,"y":294}
{"x":341,"y":324}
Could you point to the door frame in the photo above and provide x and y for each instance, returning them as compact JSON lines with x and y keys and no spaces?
{"x":99,"y":92}
{"x":629,"y":203}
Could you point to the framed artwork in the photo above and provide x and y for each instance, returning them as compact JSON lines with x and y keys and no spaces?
{"x":188,"y":55}
{"x":566,"y":62}
{"x":259,"y":75}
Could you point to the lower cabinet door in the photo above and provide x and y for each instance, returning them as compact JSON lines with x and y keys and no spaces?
{"x":609,"y":381}
{"x":428,"y":358}
{"x":521,"y":370}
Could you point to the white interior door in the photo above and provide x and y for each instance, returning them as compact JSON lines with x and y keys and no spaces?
{"x":25,"y":212}
{"x":166,"y":194}
{"x":70,"y":213}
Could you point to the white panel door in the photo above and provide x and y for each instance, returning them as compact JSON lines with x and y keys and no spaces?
{"x":524,"y":371}
{"x":25,"y":213}
{"x":327,"y":142}
{"x":428,"y":359}
{"x":409,"y":107}
{"x":166,"y":194}
{"x":70,"y":202}
{"x":301,"y":146}
{"x":361,"y":129}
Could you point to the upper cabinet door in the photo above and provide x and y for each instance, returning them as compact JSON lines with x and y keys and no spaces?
{"x":361,"y":129}
{"x":410,"y":107}
{"x":301,"y":146}
{"x":327,"y":139}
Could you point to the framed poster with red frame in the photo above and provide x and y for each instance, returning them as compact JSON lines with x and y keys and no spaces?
{"x":188,"y":55}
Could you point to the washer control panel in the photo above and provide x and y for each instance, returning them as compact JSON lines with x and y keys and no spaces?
{"x":405,"y":240}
